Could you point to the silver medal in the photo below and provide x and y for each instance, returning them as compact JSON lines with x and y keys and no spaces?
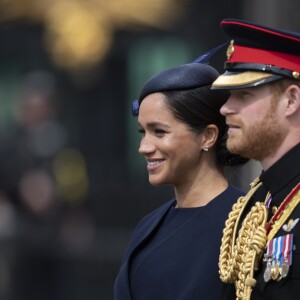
{"x":267,"y":273}
{"x":285,"y":268}
{"x":268,"y":270}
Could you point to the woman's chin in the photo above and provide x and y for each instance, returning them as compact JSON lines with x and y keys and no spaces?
{"x":155,"y":181}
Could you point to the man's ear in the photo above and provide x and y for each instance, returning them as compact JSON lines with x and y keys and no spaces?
{"x":210,"y":135}
{"x":293,"y":100}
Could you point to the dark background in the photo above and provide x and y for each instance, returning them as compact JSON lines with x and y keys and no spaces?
{"x":81,"y":262}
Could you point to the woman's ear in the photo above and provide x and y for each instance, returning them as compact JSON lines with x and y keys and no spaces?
{"x":209,"y":136}
{"x":293,"y":99}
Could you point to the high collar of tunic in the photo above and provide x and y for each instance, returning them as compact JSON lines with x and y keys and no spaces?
{"x":283,"y":172}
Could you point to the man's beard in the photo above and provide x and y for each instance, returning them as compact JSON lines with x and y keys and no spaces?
{"x":259,"y":140}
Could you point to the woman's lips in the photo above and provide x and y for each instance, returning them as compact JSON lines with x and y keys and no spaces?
{"x":153,"y":164}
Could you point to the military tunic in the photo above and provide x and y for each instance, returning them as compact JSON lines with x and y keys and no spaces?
{"x":279,"y":180}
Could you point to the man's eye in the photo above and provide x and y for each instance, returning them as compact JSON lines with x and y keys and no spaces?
{"x":244,"y":94}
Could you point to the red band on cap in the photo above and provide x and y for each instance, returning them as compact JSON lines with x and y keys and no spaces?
{"x":243,"y":54}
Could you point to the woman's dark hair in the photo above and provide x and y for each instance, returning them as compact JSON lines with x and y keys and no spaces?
{"x":200,"y":107}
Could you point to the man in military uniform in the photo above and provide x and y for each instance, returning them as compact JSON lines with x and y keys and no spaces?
{"x":260,"y":252}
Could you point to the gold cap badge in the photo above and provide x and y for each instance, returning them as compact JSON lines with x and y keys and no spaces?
{"x":230,"y":49}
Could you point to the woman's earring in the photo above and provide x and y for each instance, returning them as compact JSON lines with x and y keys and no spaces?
{"x":205,"y":148}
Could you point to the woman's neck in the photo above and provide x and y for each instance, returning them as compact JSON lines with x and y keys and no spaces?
{"x":200,"y":191}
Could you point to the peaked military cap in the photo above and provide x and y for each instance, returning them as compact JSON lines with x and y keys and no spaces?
{"x":257,"y":55}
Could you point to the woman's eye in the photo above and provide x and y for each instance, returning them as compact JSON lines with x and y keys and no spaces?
{"x":141,"y":131}
{"x":159,"y":132}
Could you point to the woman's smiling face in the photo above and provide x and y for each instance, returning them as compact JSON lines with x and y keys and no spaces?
{"x":171,"y":149}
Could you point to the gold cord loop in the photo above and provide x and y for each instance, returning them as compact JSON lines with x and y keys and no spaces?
{"x":240,"y":255}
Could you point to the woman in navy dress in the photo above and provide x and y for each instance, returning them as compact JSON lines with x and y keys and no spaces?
{"x":173,"y":253}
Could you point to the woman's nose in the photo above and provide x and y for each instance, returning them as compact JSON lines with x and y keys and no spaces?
{"x":146,"y":146}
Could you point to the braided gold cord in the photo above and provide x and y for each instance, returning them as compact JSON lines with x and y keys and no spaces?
{"x":227,"y":267}
{"x":240,"y":256}
{"x":251,"y":243}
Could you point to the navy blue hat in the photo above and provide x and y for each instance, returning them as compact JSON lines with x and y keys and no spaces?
{"x":183,"y":77}
{"x":188,"y":76}
{"x":258,"y":54}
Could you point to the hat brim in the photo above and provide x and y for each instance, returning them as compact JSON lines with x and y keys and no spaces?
{"x":238,"y":80}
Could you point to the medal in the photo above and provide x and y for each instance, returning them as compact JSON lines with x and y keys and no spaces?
{"x":284,"y":268}
{"x":286,"y":259}
{"x":269,"y":258}
{"x":278,"y":257}
{"x":275,"y":271}
{"x":267,"y":273}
